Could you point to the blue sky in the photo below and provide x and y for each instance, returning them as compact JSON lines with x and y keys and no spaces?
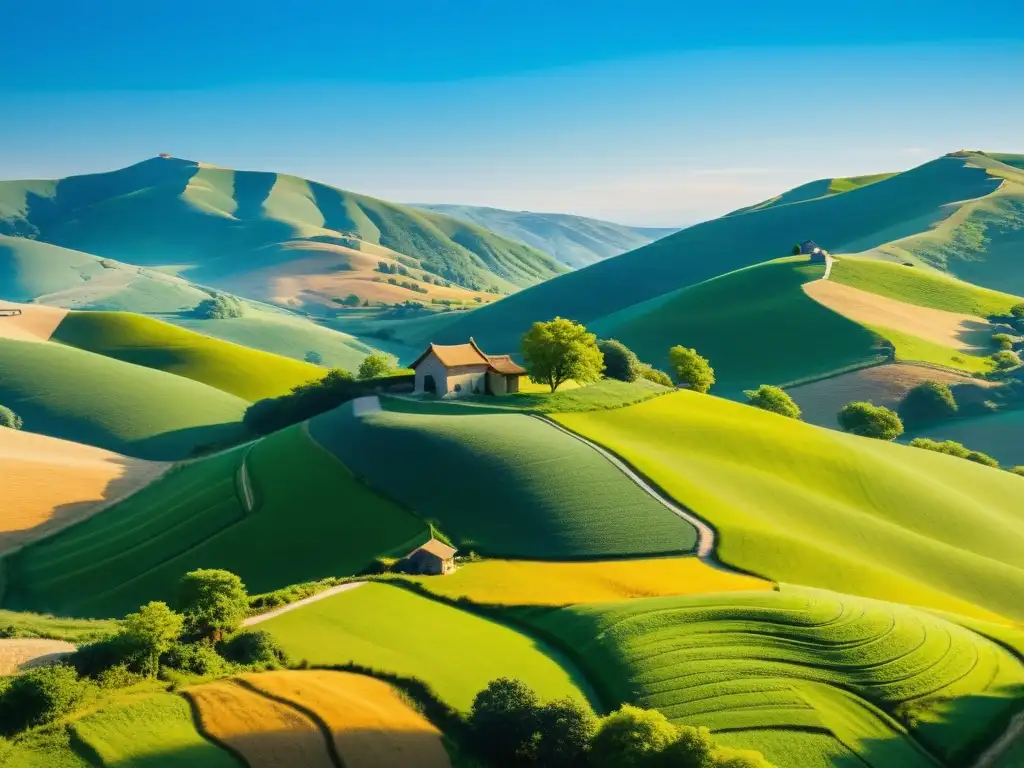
{"x":646,"y":112}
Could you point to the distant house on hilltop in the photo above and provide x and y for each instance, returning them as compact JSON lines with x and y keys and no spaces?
{"x":435,"y":558}
{"x":464,"y":369}
{"x":810,"y":248}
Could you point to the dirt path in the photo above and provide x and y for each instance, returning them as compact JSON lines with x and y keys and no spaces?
{"x":17,"y":654}
{"x":1002,"y":745}
{"x":35,"y":322}
{"x":705,"y":533}
{"x":252,"y":620}
{"x":363,"y":405}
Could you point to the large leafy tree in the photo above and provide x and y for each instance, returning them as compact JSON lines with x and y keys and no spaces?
{"x":504,"y":722}
{"x":375,"y":366}
{"x":559,"y":350}
{"x":153,"y":629}
{"x":213,"y":602}
{"x":690,"y":369}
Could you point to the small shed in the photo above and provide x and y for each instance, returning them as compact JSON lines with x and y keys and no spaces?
{"x":435,"y":558}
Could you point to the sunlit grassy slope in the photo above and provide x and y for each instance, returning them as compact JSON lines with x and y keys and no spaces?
{"x":310,"y":519}
{"x":906,"y":204}
{"x":502,"y":484}
{"x":247,"y":373}
{"x":806,"y":505}
{"x":392,"y":629}
{"x":755,"y":325}
{"x":891,"y":684}
{"x":217,"y":226}
{"x":77,"y":395}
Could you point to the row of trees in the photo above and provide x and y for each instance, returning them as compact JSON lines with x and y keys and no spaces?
{"x":199,"y":636}
{"x":510,"y":728}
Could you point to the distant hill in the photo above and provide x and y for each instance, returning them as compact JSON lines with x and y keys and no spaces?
{"x":962,"y":213}
{"x":267,"y":236}
{"x":575,"y":241}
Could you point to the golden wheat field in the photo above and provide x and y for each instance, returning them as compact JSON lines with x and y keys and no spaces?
{"x":265,"y":733}
{"x":525,"y":582}
{"x":370,"y":723}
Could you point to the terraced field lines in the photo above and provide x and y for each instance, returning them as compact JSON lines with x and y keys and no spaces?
{"x":371,"y":726}
{"x":266,"y":733}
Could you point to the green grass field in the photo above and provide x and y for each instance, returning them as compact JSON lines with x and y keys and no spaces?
{"x":76,"y":395}
{"x":921,"y":287}
{"x":913,"y":349}
{"x":247,"y":373}
{"x":905,"y":204}
{"x":805,"y":505}
{"x":389,"y":628}
{"x":889,"y":683}
{"x":607,"y":393}
{"x":154,"y":730}
{"x":20,"y":624}
{"x":997,"y":434}
{"x":311,"y":520}
{"x":756,"y":326}
{"x":504,"y":484}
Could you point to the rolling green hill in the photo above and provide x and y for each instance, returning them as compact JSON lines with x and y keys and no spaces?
{"x":241,"y":371}
{"x":309,"y":519}
{"x":813,"y":190}
{"x":88,"y":398}
{"x":219,"y":226}
{"x":805,"y":505}
{"x":575,"y":241}
{"x":755,"y":325}
{"x":502,"y":484}
{"x":812,"y":678}
{"x":908,"y":204}
{"x":371,"y":625}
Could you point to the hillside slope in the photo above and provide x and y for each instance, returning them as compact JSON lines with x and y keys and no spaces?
{"x":87,"y":398}
{"x":806,"y":505}
{"x":575,"y":241}
{"x":220,"y":227}
{"x":241,"y":371}
{"x":864,"y":218}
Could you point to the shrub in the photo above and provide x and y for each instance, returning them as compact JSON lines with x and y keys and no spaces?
{"x":9,"y":418}
{"x":314,"y":357}
{"x":194,"y":658}
{"x":929,"y":401}
{"x":867,"y":420}
{"x":725,"y":757}
{"x":631,"y":736}
{"x":39,"y":696}
{"x":653,"y":374}
{"x":220,"y":307}
{"x":774,"y":399}
{"x":559,"y":350}
{"x":1017,"y":310}
{"x":375,"y":366}
{"x":153,"y":629}
{"x":118,"y":676}
{"x":120,"y":650}
{"x":213,"y":602}
{"x":692,"y":748}
{"x":953,"y":448}
{"x":620,"y":362}
{"x":690,"y":369}
{"x":254,"y":648}
{"x":566,"y":728}
{"x":1002,"y":340}
{"x":1018,"y":470}
{"x":1006,"y":358}
{"x":503,"y":723}
{"x":303,"y":402}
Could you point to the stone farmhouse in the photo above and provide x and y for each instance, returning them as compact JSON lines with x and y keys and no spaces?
{"x":435,"y":558}
{"x":465,"y":369}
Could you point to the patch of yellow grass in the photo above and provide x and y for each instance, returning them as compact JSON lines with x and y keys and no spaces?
{"x":49,"y":483}
{"x":525,"y":582}
{"x":267,"y":734}
{"x":965,"y":333}
{"x":35,"y":323}
{"x":370,"y":723}
{"x":525,"y":385}
{"x":18,"y":654}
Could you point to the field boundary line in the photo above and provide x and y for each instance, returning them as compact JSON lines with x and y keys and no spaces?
{"x":329,"y":592}
{"x":197,"y":723}
{"x":320,"y":723}
{"x":706,"y":534}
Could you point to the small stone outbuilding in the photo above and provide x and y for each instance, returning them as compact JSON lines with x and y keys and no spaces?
{"x":465,"y":369}
{"x":435,"y":558}
{"x":818,"y":254}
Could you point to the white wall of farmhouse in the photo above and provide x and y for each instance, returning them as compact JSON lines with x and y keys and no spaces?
{"x":470,"y":379}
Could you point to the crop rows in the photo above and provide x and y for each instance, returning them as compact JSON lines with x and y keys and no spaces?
{"x":798,"y":659}
{"x":503,"y":484}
